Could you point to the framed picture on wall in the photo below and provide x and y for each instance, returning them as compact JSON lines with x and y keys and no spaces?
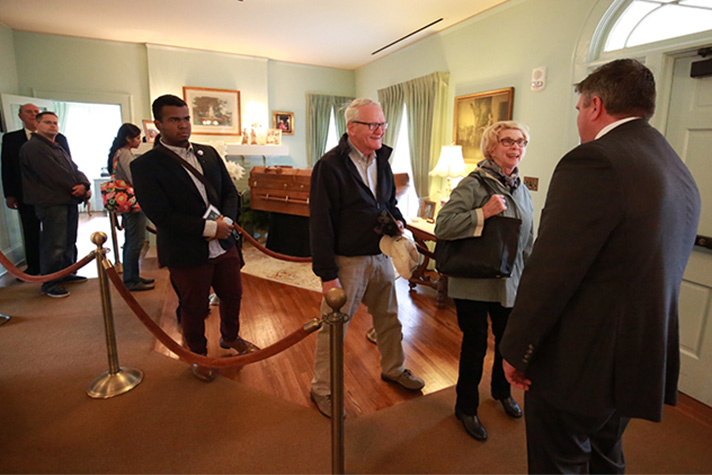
{"x":213,"y":111}
{"x":283,"y":121}
{"x":474,"y":113}
{"x":150,"y":130}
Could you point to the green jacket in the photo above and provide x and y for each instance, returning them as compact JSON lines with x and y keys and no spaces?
{"x":459,"y":219}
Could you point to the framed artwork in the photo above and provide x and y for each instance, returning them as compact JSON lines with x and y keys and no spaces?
{"x":213,"y":111}
{"x":427,"y":210}
{"x":474,"y":113}
{"x":150,"y":130}
{"x":273,"y":137}
{"x":283,"y":121}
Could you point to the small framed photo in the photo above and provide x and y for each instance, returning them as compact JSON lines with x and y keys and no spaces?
{"x":213,"y":111}
{"x":283,"y":121}
{"x":427,"y":210}
{"x":150,"y":130}
{"x":273,"y":137}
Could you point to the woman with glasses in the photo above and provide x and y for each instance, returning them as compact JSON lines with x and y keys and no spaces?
{"x":493,"y":188}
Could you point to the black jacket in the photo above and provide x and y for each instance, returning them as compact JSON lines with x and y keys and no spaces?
{"x":343,"y":211}
{"x":49,"y":174}
{"x":11,"y":174}
{"x":168,"y":196}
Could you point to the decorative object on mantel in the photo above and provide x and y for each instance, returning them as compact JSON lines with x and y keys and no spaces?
{"x":213,"y":111}
{"x":283,"y":121}
{"x":474,"y":113}
{"x":273,"y":137}
{"x":450,"y":165}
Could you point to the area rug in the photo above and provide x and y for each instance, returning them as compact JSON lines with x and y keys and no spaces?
{"x":298,"y":274}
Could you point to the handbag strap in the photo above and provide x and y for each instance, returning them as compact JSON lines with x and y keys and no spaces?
{"x":209,"y":188}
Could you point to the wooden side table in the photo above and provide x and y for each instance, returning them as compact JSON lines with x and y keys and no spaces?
{"x":424,"y":231}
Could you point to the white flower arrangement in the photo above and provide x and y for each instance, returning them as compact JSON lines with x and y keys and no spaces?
{"x":235,"y":170}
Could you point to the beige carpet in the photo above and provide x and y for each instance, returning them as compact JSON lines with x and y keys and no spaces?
{"x":298,"y":274}
{"x":171,"y":423}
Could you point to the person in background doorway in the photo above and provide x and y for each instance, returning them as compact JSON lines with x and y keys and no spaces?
{"x":53,"y":184}
{"x":134,"y":223}
{"x":12,"y":183}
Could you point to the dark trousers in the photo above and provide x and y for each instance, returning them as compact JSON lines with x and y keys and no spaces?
{"x":134,"y":238}
{"x":193,"y":288}
{"x":58,"y":238}
{"x":472,"y":318}
{"x":566,"y":442}
{"x":31,"y":234}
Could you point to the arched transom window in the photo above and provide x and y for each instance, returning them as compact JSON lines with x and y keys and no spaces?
{"x":647,"y":21}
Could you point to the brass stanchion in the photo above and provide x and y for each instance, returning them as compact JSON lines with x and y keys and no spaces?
{"x":336,"y":298}
{"x":117,"y":260}
{"x":117,"y":380}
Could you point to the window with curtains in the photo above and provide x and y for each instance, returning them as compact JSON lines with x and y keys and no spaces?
{"x":425,"y":100}
{"x":321,"y":111}
{"x":408,"y":204}
{"x":332,"y":138}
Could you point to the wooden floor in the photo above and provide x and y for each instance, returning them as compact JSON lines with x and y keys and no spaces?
{"x":270,"y":310}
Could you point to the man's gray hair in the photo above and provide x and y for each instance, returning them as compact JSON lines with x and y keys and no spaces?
{"x":352,"y":111}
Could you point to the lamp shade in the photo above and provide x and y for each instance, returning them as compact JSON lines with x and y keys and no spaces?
{"x":451,"y":163}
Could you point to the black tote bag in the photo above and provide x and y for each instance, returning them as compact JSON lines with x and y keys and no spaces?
{"x":490,"y":256}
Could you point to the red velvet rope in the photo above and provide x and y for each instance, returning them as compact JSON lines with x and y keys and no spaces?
{"x":190,"y":357}
{"x":12,"y":269}
{"x":264,"y":250}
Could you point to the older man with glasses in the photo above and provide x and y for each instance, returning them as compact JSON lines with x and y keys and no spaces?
{"x":351,"y":186}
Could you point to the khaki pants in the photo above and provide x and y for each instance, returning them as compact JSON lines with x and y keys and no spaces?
{"x":367,"y":279}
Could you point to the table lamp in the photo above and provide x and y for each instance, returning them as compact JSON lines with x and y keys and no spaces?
{"x":450,"y":165}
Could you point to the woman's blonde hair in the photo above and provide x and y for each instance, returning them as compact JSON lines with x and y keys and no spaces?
{"x":490,"y":137}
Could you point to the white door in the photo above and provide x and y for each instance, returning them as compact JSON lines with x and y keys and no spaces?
{"x":689,"y":130}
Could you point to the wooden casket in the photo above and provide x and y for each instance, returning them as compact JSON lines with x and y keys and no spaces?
{"x":280,"y":189}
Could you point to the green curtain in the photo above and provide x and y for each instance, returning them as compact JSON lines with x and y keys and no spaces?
{"x":319,"y":108}
{"x":425,"y":99}
{"x":340,"y":104}
{"x":391,"y":99}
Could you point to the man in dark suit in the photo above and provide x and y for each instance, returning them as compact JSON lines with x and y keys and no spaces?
{"x":12,"y":183}
{"x":593,"y":336}
{"x":193,"y":212}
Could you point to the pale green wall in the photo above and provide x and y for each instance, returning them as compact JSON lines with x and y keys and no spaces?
{"x":84,"y":67}
{"x":499,"y":49}
{"x":8,"y":66}
{"x":288,"y":85}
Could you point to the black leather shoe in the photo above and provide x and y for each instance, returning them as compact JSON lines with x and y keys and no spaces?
{"x":511,"y":407}
{"x":472,"y":425}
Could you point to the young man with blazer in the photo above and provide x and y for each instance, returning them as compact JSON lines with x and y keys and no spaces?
{"x":12,"y":183}
{"x":593,"y":336}
{"x":177,"y":183}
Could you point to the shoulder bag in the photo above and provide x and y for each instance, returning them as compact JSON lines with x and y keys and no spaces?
{"x":489,"y":256}
{"x":118,"y":195}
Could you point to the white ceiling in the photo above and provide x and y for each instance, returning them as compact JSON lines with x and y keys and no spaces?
{"x":333,"y":33}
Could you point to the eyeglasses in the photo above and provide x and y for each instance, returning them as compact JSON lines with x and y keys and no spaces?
{"x":372,"y":126}
{"x":507,"y":142}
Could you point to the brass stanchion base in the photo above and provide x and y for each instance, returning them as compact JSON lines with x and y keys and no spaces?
{"x":109,"y":385}
{"x":4,"y":319}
